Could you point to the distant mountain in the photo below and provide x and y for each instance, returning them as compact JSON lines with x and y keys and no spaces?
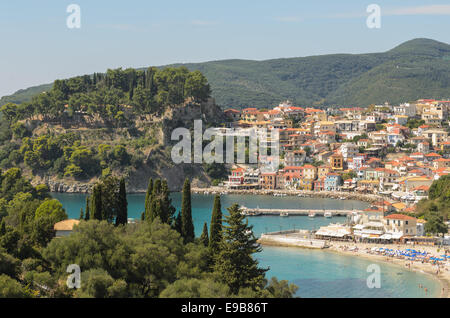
{"x":24,"y":95}
{"x":419,"y":68}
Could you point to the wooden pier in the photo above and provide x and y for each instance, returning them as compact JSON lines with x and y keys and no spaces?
{"x":295,"y":212}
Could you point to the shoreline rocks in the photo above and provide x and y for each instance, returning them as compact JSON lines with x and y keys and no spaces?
{"x":61,"y":187}
{"x":302,"y":193}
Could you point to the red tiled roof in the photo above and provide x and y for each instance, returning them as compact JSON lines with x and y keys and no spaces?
{"x":400,"y":217}
{"x":293,"y":168}
{"x":422,"y":187}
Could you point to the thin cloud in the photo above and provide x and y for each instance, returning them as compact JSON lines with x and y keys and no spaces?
{"x":119,"y":27}
{"x":202,"y":23}
{"x":434,"y":9}
{"x":288,"y":19}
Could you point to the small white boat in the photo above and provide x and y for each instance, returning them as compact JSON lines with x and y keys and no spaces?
{"x":284,"y":214}
{"x":312,"y":215}
{"x":342,"y":198}
{"x":328,"y":215}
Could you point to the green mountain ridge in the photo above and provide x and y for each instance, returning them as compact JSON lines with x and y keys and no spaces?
{"x":417,"y":68}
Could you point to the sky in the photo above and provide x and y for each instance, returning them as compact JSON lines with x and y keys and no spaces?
{"x":37,"y":47}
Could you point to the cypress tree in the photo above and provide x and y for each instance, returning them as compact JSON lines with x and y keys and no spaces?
{"x":156,"y":187}
{"x":122,"y":204}
{"x":96,"y":204}
{"x":2,"y":228}
{"x":177,"y":223}
{"x":187,"y":225}
{"x":155,"y":208}
{"x":204,"y":237}
{"x":81,"y":214}
{"x":216,"y":226}
{"x":167,"y":209}
{"x":87,"y":215}
{"x":234,"y":264}
{"x":148,"y":198}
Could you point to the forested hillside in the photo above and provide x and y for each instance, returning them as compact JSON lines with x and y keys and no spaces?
{"x":116,"y":123}
{"x":417,"y":68}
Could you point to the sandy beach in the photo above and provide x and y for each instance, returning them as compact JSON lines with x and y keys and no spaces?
{"x":363,"y":250}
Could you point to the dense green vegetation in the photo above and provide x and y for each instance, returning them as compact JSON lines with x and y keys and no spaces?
{"x":85,"y":127}
{"x":146,"y":91}
{"x":436,"y":209}
{"x":415,"y":69}
{"x":150,"y":258}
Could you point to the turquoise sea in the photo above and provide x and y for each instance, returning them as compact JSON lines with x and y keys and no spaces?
{"x":317,"y":273}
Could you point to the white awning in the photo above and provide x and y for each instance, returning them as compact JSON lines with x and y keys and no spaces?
{"x":375,"y":232}
{"x":397,"y":235}
{"x":331,"y":233}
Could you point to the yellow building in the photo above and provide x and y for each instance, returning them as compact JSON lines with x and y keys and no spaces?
{"x":400,"y":223}
{"x":336,"y":162}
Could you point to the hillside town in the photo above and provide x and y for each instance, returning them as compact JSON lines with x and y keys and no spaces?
{"x":392,"y":151}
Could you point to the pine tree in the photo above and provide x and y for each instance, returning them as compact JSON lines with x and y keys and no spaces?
{"x":187,"y":225}
{"x":87,"y":215}
{"x":234,"y":264}
{"x":216,"y":226}
{"x":204,"y":237}
{"x":96,"y":204}
{"x":122,"y":204}
{"x":81,"y":214}
{"x":148,"y":198}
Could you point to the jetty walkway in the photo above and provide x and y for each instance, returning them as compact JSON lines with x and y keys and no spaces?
{"x":263,"y":211}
